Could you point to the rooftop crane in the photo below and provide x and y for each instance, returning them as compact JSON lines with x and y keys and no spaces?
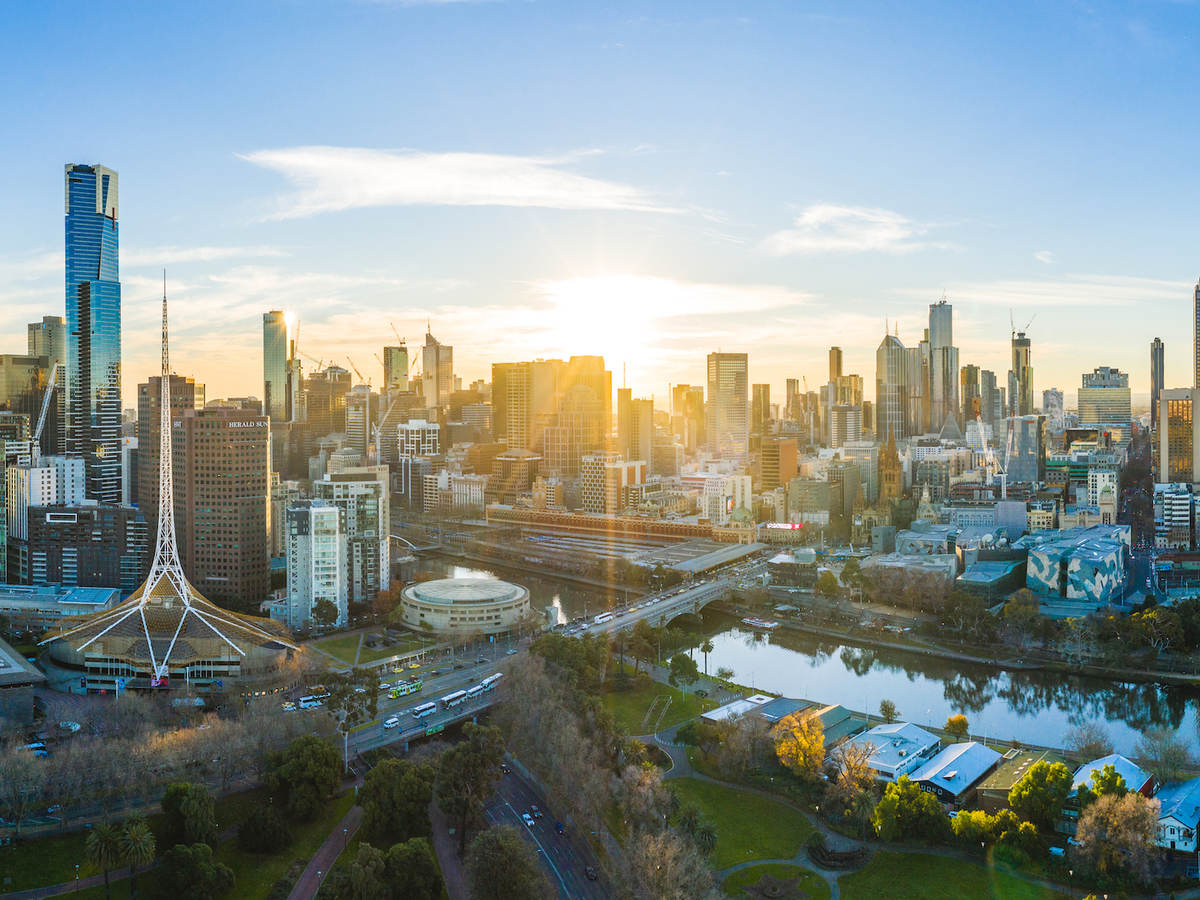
{"x":366,"y":381}
{"x":397,"y":333}
{"x":35,"y":445}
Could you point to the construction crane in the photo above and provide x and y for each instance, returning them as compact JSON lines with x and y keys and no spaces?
{"x":35,"y":445}
{"x":1012,"y":324}
{"x":397,"y":334}
{"x":361,"y":380}
{"x":312,"y":359}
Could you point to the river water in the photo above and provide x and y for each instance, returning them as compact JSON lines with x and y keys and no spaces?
{"x":1033,"y":707}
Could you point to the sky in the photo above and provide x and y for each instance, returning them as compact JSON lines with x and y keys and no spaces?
{"x":646,"y":181}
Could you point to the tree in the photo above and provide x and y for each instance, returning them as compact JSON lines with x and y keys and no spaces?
{"x":137,"y":849}
{"x":1166,"y":753}
{"x":1040,"y":794}
{"x":1022,"y":613}
{"x":413,"y":871}
{"x":706,"y":837}
{"x":189,"y":815}
{"x":1089,"y":740}
{"x":395,"y":799}
{"x":957,"y":726}
{"x":706,"y":648}
{"x":664,"y":865}
{"x":853,"y":792}
{"x":800,"y":744}
{"x":103,"y":849}
{"x":887,"y":709}
{"x":724,"y":673}
{"x":906,"y":812}
{"x":501,"y":866}
{"x":22,"y":778}
{"x":683,"y":669}
{"x":305,"y":773}
{"x":852,"y":572}
{"x":368,"y":874}
{"x":264,"y":831}
{"x":353,"y":699}
{"x":189,"y":873}
{"x":324,"y":613}
{"x":466,"y":775}
{"x":1117,"y":835}
{"x":827,"y":584}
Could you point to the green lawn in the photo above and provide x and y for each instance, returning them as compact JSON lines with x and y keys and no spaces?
{"x":748,"y":826}
{"x":914,"y":876}
{"x":343,"y":646}
{"x":404,"y":645}
{"x":629,"y":707}
{"x":812,"y":884}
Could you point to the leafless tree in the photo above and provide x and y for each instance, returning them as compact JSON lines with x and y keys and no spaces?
{"x":1165,"y":752}
{"x":1088,"y":740}
{"x":664,"y":865}
{"x":22,"y":779}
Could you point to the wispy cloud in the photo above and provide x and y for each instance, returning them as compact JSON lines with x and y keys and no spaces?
{"x":1044,"y":256}
{"x":1069,"y":290}
{"x":330,"y":179}
{"x":136,"y":257}
{"x":830,"y":228}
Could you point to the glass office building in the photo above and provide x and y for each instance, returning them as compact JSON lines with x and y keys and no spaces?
{"x":93,"y":364}
{"x":276,"y":399}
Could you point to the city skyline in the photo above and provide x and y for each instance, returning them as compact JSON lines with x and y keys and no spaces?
{"x":767,"y":242}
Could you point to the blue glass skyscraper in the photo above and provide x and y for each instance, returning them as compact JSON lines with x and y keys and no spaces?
{"x":94,"y":329}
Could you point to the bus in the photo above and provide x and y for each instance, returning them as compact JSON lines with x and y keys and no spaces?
{"x":602,"y":618}
{"x":425,"y":709}
{"x":489,"y":684}
{"x":473,"y":692}
{"x":453,"y":699}
{"x":313,"y":700}
{"x":405,"y":688}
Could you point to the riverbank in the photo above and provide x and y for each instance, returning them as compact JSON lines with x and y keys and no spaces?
{"x":927,"y":648}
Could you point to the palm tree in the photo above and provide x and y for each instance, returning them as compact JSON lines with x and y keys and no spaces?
{"x":137,"y":847}
{"x":706,"y":837}
{"x":706,"y":648}
{"x":103,"y":848}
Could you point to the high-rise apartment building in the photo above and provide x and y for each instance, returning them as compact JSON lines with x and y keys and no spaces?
{"x":362,"y":410}
{"x":316,"y":562}
{"x":835,"y":363}
{"x":1104,"y":399}
{"x":891,"y":388}
{"x":971,"y":393}
{"x":1196,"y":335}
{"x":943,"y":364}
{"x":605,"y":479}
{"x":93,"y":354}
{"x":222,"y":469}
{"x":760,"y":408}
{"x":1157,"y":378}
{"x":185,"y":393}
{"x":277,"y":393}
{"x":687,"y":415}
{"x":1025,"y":449}
{"x":1020,"y":387}
{"x":845,"y":424}
{"x":989,"y":401}
{"x":88,"y":546}
{"x":48,"y":338}
{"x":363,"y":495}
{"x":395,"y":368}
{"x":727,"y":413}
{"x":1177,"y":437}
{"x":437,"y":372}
{"x":416,"y":437}
{"x":325,"y":400}
{"x":1053,"y":409}
{"x":635,"y":425}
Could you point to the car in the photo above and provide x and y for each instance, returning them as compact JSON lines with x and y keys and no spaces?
{"x":289,"y":706}
{"x":590,"y":873}
{"x":460,"y":665}
{"x":558,"y":826}
{"x":510,"y":652}
{"x":537,"y":813}
{"x":391,"y":722}
{"x":527,"y":819}
{"x":414,"y":665}
{"x":504,"y":769}
{"x":70,"y":726}
{"x":481,"y":659}
{"x":384,"y":686}
{"x":436,"y":672}
{"x":362,"y":690}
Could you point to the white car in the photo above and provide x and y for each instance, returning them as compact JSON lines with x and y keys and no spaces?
{"x":527,"y":819}
{"x":391,"y":722}
{"x":70,"y":726}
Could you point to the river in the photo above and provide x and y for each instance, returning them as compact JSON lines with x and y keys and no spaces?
{"x":1033,"y":707}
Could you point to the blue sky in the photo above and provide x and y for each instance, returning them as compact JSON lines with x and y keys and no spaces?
{"x":647,"y":181}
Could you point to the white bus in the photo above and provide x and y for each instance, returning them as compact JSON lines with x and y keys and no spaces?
{"x":425,"y":709}
{"x":602,"y":618}
{"x":489,"y":684}
{"x":473,"y":692}
{"x":313,"y":700}
{"x":453,"y":699}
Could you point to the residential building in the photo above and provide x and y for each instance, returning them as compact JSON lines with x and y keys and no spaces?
{"x":284,"y":495}
{"x":845,"y":425}
{"x":970,"y":394}
{"x":990,"y":405}
{"x":276,"y":369}
{"x":93,"y":328}
{"x":606,"y":478}
{"x":727,"y":414}
{"x":437,"y":372}
{"x":418,"y":437}
{"x":395,"y":368}
{"x":1157,"y":379}
{"x":88,"y":546}
{"x":48,"y":338}
{"x":835,"y":363}
{"x":316,"y":562}
{"x":635,"y":425}
{"x":363,"y":495}
{"x":1021,"y":376}
{"x":1179,"y":816}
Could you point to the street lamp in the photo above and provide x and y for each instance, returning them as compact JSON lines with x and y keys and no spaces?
{"x":346,"y":836}
{"x":77,"y":878}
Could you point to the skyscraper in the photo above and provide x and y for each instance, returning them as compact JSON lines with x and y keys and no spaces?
{"x":943,"y":364}
{"x":1156,"y":379}
{"x":185,"y":393}
{"x":93,"y":355}
{"x":1021,"y":400}
{"x":891,"y":389}
{"x":835,"y":363}
{"x":276,"y":395}
{"x":988,"y":398}
{"x":971,"y":393}
{"x":760,"y":408}
{"x":1104,"y":399}
{"x":437,"y":372}
{"x":1196,"y":335}
{"x":727,"y":414}
{"x":395,"y":368}
{"x":1053,"y":410}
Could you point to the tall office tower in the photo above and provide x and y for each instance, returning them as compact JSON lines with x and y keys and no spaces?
{"x":687,"y":415}
{"x":93,"y":355}
{"x":1157,"y":379}
{"x":943,"y":364}
{"x":437,"y":372}
{"x":760,"y":408}
{"x":1177,"y":437}
{"x":524,"y":398}
{"x":624,"y":420}
{"x":727,"y":414}
{"x":1104,"y":399}
{"x":395,"y":368}
{"x":777,"y":462}
{"x":605,"y":479}
{"x":1025,"y":449}
{"x":362,"y":493}
{"x":835,"y":363}
{"x":1053,"y":409}
{"x":325,"y":400}
{"x":277,"y":392}
{"x":635,"y":426}
{"x":48,"y":338}
{"x":1196,"y":334}
{"x":185,"y":393}
{"x":316,"y":562}
{"x":891,"y":388}
{"x":971,"y":393}
{"x":999,"y":403}
{"x":1022,"y":367}
{"x":987,"y":395}
{"x":222,"y":493}
{"x":1014,"y":395}
{"x":362,"y":411}
{"x":845,"y":425}
{"x":916,"y":379}
{"x":792,"y":397}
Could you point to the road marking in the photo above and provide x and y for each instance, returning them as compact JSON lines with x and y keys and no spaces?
{"x":545,"y":853}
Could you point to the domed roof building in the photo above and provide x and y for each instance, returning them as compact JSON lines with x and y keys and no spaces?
{"x":166,"y":634}
{"x":464,"y":605}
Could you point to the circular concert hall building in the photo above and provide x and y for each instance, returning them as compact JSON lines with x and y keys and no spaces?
{"x":451,"y":606}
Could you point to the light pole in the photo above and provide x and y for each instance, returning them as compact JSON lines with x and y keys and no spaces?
{"x":77,"y":878}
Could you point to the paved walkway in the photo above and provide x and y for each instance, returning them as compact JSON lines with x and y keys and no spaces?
{"x":445,"y":845}
{"x":322,"y":861}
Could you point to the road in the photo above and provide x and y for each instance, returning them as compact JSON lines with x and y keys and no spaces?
{"x":564,"y":857}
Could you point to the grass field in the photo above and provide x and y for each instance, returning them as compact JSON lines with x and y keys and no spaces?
{"x":343,"y":646}
{"x":914,"y":876}
{"x":748,"y":826}
{"x":812,"y":884}
{"x":629,"y":707}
